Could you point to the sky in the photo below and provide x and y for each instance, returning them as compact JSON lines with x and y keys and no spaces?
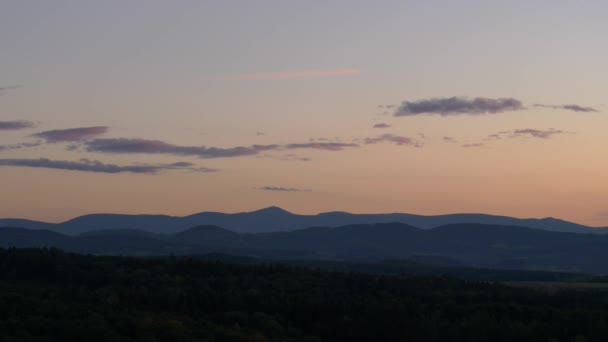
{"x":425,"y":107}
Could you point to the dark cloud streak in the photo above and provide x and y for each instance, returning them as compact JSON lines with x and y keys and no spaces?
{"x":15,"y":125}
{"x":536,"y":133}
{"x":571,"y":107}
{"x":87,"y":165}
{"x":458,"y":106}
{"x":122,"y":145}
{"x":282,"y":189}
{"x":19,"y":146}
{"x":71,"y":134}
{"x":326,"y":146}
{"x":392,"y":138}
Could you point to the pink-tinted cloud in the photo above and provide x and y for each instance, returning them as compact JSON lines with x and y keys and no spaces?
{"x":15,"y":125}
{"x":71,"y":134}
{"x":392,"y":138}
{"x":87,"y":165}
{"x":295,"y":74}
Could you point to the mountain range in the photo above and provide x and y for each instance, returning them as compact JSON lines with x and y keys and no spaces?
{"x":274,"y":219}
{"x":463,"y":245}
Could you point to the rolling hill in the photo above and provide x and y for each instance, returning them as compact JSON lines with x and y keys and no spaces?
{"x":473,"y":245}
{"x":274,"y":219}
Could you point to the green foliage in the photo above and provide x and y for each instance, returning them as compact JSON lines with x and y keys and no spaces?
{"x":48,"y":295}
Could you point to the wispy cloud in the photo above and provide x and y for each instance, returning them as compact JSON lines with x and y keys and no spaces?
{"x":294,"y":157}
{"x":282,"y":189}
{"x":15,"y":125}
{"x":537,"y":133}
{"x":284,"y":157}
{"x":294,"y":74}
{"x":71,"y":134}
{"x":3,"y":89}
{"x":19,"y":146}
{"x":571,"y":107}
{"x":449,"y":139}
{"x":87,"y":165}
{"x":527,"y":132}
{"x":392,"y":138}
{"x":122,"y":145}
{"x":473,"y":145}
{"x":382,"y":125}
{"x":326,"y":146}
{"x":458,"y":106}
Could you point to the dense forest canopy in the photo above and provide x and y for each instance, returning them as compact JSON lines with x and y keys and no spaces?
{"x":49,"y":295}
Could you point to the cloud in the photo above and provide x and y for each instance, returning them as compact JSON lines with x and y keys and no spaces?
{"x":19,"y":146}
{"x":470,"y":145}
{"x":458,"y":106}
{"x":295,"y":74}
{"x":122,"y":145}
{"x":542,"y":134}
{"x":285,"y":157}
{"x":71,"y":134}
{"x":526,"y":132}
{"x":496,"y":136}
{"x":15,"y":125}
{"x":391,"y":138}
{"x":326,"y":146}
{"x":294,"y":157}
{"x":5,"y":88}
{"x":282,"y":189}
{"x":382,"y":125}
{"x":571,"y":107}
{"x":450,"y":139}
{"x":87,"y":165}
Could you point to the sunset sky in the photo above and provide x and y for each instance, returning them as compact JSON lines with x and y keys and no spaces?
{"x":425,"y":107}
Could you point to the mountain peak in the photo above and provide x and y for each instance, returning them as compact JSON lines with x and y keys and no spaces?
{"x":271,"y":210}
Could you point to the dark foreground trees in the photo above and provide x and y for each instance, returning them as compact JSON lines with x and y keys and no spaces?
{"x":48,"y":295}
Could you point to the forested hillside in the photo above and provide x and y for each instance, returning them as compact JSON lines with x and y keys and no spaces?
{"x":48,"y":295}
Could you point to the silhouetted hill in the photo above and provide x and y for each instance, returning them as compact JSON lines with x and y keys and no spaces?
{"x":206,"y":235}
{"x":96,"y":222}
{"x":275,"y":219}
{"x":12,"y":222}
{"x":489,"y":246}
{"x":20,"y":238}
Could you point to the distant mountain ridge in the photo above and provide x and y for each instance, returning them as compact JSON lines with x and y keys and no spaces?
{"x":275,"y":219}
{"x":470,"y":245}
